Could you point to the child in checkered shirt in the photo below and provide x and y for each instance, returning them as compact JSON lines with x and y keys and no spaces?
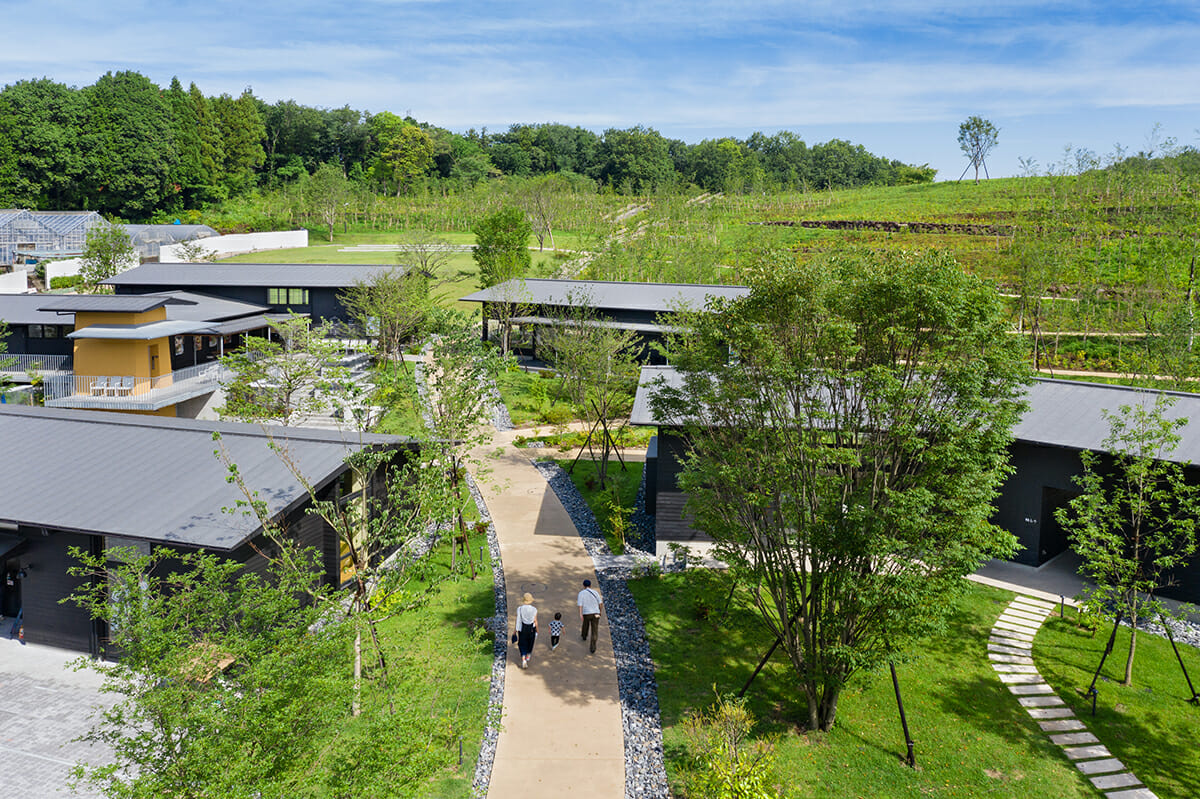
{"x":555,"y":630}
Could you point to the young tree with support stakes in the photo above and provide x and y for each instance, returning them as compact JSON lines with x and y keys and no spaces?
{"x":977,"y":137}
{"x":598,"y":365}
{"x":846,"y":428}
{"x":1135,"y":521}
{"x":367,"y":530}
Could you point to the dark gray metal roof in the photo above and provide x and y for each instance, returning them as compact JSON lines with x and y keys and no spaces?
{"x":265,"y":275}
{"x":243,"y":323}
{"x":661,"y":297}
{"x":205,"y":307}
{"x":108,"y":303}
{"x":1067,"y":413}
{"x":44,"y":309}
{"x":155,"y":479}
{"x":25,"y":309}
{"x":1061,"y":413}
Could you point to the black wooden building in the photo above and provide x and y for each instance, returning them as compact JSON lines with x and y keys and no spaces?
{"x":533,"y":304}
{"x":1064,"y":418}
{"x":97,"y":481}
{"x":312,"y":289}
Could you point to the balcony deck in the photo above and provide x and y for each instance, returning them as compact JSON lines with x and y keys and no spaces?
{"x":130,"y":393}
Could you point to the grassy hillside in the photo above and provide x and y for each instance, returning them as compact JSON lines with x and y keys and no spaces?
{"x":1078,"y":257}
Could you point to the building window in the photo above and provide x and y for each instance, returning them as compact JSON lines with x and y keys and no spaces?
{"x":287,"y":296}
{"x":45,"y":331}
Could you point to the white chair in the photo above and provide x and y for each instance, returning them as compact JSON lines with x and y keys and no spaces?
{"x":99,"y":386}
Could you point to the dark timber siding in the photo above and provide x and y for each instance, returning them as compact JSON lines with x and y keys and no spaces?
{"x":46,"y":559}
{"x":1040,"y":481}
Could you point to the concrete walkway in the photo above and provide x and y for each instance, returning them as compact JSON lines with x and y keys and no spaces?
{"x":47,"y":705}
{"x":561,"y":731}
{"x":1010,"y":649}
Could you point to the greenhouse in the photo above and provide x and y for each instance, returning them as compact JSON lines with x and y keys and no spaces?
{"x":27,"y":237}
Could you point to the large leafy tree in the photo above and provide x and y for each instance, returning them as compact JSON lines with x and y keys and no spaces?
{"x":128,"y":145}
{"x":636,"y":161}
{"x":502,"y":246}
{"x":502,"y":255}
{"x":240,"y":123}
{"x":408,"y":154}
{"x":223,"y":678}
{"x":107,"y":251}
{"x":201,"y":152}
{"x":40,"y":160}
{"x":846,"y":427}
{"x":1135,"y":521}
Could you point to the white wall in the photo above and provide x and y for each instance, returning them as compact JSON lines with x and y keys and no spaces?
{"x":14,"y":283}
{"x":239,"y":243}
{"x":71,"y":266}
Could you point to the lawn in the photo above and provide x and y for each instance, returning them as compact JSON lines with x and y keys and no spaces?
{"x":534,"y":398}
{"x":621,"y":482}
{"x":973,"y":738}
{"x":460,"y":278}
{"x":1149,"y":726}
{"x":440,"y":664}
{"x":397,"y":392}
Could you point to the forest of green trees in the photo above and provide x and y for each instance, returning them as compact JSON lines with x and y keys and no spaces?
{"x":130,"y":149}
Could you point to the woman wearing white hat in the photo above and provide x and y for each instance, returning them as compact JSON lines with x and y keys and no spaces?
{"x":526,"y":628}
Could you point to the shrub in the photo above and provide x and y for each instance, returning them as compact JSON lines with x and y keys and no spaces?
{"x":65,"y":281}
{"x":727,"y":763}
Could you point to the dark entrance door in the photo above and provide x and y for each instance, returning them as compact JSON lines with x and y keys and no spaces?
{"x":10,"y":589}
{"x":1052,"y":540}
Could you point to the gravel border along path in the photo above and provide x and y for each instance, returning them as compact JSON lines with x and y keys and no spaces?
{"x":499,"y":625}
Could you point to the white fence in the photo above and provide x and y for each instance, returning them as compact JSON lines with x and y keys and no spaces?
{"x":238,"y":244}
{"x":23,"y":364}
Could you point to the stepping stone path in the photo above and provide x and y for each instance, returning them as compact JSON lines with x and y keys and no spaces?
{"x":1010,"y":649}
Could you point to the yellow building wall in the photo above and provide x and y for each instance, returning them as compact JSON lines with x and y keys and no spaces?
{"x":116,"y":357}
{"x":167,"y":411}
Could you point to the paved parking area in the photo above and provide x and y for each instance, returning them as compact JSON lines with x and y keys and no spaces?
{"x":44,"y":704}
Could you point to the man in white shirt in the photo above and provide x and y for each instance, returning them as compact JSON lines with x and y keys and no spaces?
{"x":590,"y":603}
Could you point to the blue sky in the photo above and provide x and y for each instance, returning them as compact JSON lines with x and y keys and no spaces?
{"x":896,"y":77}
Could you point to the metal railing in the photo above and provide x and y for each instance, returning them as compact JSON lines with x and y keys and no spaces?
{"x":39,"y":364}
{"x":130,"y":392}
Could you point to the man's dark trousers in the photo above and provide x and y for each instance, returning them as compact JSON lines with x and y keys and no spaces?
{"x":591,"y":620}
